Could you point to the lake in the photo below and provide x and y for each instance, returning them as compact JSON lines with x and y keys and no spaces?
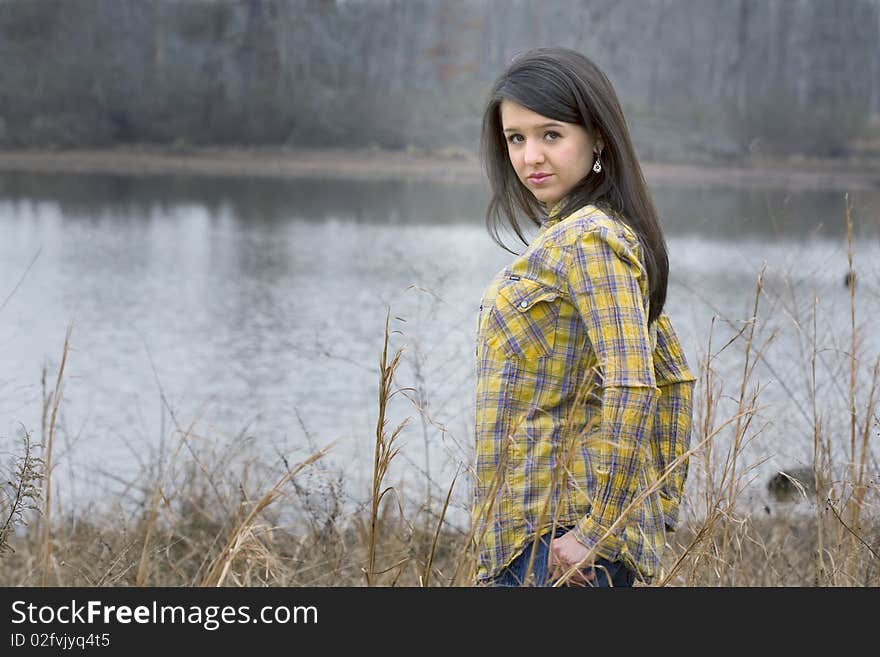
{"x":253,"y":311}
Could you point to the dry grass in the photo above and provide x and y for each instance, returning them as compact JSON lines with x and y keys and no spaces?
{"x":200,"y":522}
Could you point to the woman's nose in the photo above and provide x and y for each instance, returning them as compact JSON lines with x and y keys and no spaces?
{"x":533,"y":153}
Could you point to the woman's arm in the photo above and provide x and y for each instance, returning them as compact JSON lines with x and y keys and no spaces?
{"x":672,"y":424}
{"x":607,"y":284}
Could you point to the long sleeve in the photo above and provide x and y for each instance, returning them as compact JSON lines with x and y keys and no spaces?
{"x":607,"y":284}
{"x":672,"y":431}
{"x":672,"y":424}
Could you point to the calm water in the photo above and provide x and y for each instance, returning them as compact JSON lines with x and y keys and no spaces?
{"x":256,"y":309}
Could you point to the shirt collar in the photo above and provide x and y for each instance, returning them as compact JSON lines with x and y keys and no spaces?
{"x":552,"y":217}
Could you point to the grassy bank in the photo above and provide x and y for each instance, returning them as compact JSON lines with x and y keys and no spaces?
{"x":413,"y":163}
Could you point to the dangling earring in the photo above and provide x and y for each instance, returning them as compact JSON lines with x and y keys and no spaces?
{"x":597,"y":167}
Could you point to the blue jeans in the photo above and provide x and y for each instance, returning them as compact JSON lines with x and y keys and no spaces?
{"x":606,"y":573}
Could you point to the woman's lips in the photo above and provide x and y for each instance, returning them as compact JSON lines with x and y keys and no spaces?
{"x":539,"y":178}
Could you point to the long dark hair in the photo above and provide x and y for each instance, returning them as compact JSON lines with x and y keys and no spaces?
{"x":563,"y":84}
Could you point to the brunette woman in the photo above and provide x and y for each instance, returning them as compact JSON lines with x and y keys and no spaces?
{"x":583,"y":407}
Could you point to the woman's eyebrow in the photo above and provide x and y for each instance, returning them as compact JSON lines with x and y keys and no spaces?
{"x":543,"y":125}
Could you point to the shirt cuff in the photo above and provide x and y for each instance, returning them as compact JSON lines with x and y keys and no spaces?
{"x":597,"y":538}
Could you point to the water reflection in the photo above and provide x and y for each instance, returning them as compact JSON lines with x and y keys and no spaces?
{"x":708,"y":212}
{"x":261,"y":304}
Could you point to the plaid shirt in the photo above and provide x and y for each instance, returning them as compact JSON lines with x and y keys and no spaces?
{"x":580,"y":405}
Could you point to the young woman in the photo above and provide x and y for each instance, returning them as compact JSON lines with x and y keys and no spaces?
{"x":583,"y":408}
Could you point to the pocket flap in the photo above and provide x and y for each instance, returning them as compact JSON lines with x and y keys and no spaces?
{"x":522,"y":294}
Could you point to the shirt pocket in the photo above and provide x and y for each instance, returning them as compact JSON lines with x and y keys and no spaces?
{"x":522,"y":322}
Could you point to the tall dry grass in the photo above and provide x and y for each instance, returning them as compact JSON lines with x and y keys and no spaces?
{"x":192,"y":518}
{"x":828,"y":533}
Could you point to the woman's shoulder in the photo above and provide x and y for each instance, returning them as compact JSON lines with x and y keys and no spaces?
{"x":595,"y":222}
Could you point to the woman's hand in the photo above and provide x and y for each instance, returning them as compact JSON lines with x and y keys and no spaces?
{"x":565,"y":552}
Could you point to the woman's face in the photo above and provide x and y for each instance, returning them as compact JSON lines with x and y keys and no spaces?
{"x":549,"y":157}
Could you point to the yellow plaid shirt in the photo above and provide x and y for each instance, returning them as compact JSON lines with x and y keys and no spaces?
{"x":580,"y":405}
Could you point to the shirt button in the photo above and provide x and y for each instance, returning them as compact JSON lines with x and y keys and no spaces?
{"x":523,"y":304}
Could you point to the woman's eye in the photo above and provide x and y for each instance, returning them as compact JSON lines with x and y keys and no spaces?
{"x":550,"y":135}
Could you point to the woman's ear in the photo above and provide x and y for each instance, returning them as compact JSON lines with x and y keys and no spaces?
{"x":599,"y":146}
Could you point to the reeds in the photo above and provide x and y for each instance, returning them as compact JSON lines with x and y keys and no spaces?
{"x":201,"y":522}
{"x":49,"y":424}
{"x":384,"y":451}
{"x":21,"y":493}
{"x":835,"y":543}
